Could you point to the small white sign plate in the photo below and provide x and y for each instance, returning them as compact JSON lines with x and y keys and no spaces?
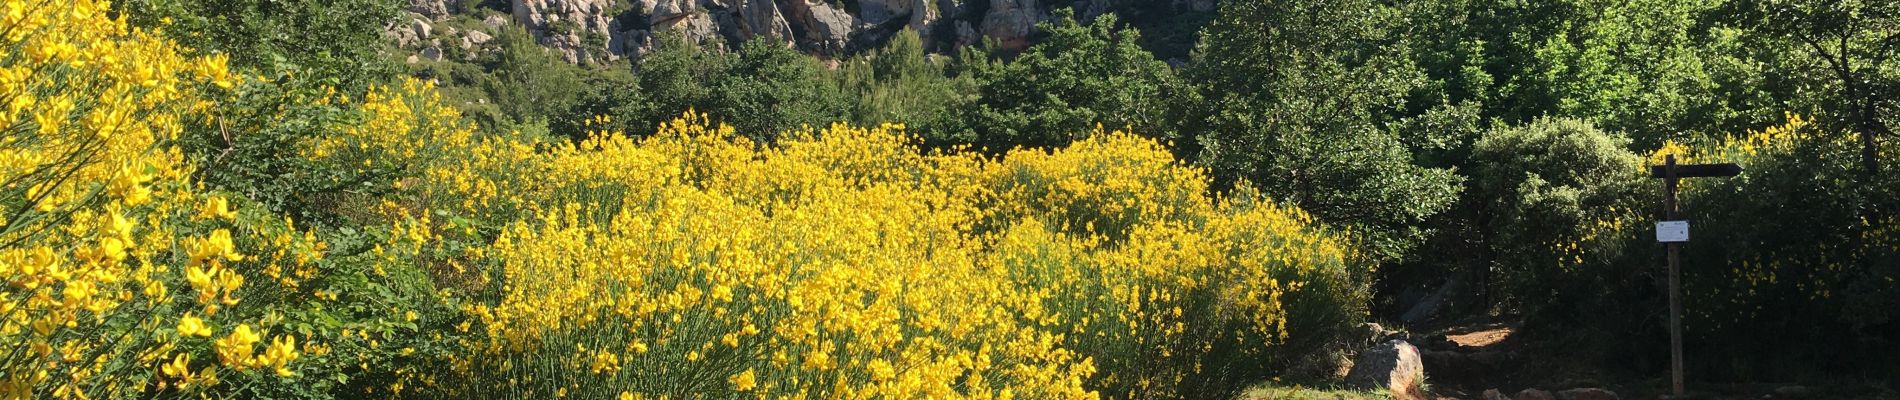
{"x":1672,"y":231}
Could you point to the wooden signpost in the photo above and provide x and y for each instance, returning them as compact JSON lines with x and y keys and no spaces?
{"x":1672,"y":231}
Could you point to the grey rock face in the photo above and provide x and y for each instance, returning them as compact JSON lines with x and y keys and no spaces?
{"x":601,"y":30}
{"x":827,"y":28}
{"x":579,"y":29}
{"x":761,"y":19}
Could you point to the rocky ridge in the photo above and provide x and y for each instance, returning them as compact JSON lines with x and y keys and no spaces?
{"x":585,"y":31}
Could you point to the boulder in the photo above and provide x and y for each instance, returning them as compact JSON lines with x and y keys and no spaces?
{"x":1533,"y":394}
{"x":1587,"y":394}
{"x":434,"y":9}
{"x":421,"y":28}
{"x":667,"y":9}
{"x":432,"y":53}
{"x":1494,"y":394}
{"x":1393,"y":366}
{"x":403,"y":36}
{"x":478,"y":37}
{"x":495,"y":21}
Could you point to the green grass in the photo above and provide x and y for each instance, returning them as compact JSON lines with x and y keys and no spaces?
{"x":1268,"y":391}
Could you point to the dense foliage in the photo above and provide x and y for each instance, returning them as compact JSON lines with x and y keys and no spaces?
{"x":1298,"y":100}
{"x":1818,"y":278}
{"x":1077,"y":77}
{"x":762,"y":87}
{"x":458,"y":263}
{"x":221,"y":198}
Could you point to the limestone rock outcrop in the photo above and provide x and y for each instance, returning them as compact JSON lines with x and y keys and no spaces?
{"x":583,"y":31}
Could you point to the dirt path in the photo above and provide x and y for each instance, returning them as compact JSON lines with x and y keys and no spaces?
{"x":1464,"y":359}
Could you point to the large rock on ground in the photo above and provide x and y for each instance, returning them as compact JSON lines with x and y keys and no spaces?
{"x":1393,"y":366}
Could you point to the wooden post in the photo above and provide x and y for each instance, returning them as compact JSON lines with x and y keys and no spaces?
{"x":1675,"y":302}
{"x":1677,"y":233}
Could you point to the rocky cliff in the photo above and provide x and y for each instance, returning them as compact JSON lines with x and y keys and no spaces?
{"x":598,"y":30}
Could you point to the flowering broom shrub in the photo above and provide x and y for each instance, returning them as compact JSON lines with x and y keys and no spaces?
{"x":846,"y":262}
{"x":121,"y":277}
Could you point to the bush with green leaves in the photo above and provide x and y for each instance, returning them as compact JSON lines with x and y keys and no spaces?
{"x":1555,"y":198}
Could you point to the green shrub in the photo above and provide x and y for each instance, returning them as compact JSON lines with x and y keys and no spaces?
{"x":1556,"y":198}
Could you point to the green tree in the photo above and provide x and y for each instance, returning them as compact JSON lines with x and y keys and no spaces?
{"x":1653,"y":69}
{"x":901,"y":83}
{"x":1298,"y":97}
{"x":1848,"y":50}
{"x":1077,"y":77}
{"x":763,"y":88}
{"x":530,"y":85}
{"x":770,"y":87}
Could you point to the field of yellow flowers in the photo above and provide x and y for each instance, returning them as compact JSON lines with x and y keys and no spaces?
{"x":841,"y":262}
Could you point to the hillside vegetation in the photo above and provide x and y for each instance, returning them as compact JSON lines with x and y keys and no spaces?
{"x":256,"y":199}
